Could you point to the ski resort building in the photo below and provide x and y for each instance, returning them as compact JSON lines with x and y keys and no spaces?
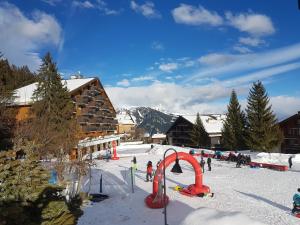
{"x":126,"y":124}
{"x":179,"y":134}
{"x":290,"y":128}
{"x":93,"y":109}
{"x":158,"y":138}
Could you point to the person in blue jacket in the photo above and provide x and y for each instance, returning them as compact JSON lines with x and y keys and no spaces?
{"x":296,"y":200}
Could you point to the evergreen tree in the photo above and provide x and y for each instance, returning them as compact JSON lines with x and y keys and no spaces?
{"x":53,"y":121}
{"x":199,"y":135}
{"x":6,"y":96}
{"x":26,"y":196}
{"x":263,"y":131}
{"x":234,"y":128}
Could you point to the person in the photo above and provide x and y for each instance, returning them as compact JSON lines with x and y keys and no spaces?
{"x":149,"y":171}
{"x":209,"y":163}
{"x":134,"y":165}
{"x":157,"y":164}
{"x":202,"y":163}
{"x":290,"y":162}
{"x":296,"y":202}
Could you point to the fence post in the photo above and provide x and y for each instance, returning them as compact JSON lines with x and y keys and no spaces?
{"x":131,"y":172}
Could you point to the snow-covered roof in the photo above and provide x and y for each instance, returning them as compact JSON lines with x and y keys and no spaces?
{"x":23,"y":95}
{"x":158,"y":136}
{"x":212,"y":123}
{"x":124,"y":118}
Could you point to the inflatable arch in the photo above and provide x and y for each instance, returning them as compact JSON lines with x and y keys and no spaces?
{"x":155,"y":200}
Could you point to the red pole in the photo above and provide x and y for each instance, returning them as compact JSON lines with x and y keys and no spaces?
{"x":115,"y":157}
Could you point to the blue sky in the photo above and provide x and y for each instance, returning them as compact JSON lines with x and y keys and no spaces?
{"x":181,"y":56}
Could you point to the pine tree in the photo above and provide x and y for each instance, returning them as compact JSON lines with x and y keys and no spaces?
{"x":263,"y":132}
{"x":234,"y":128}
{"x":199,"y":135}
{"x":53,"y":122}
{"x":25,"y":194}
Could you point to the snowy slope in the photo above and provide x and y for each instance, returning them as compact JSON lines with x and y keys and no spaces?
{"x":243,"y":196}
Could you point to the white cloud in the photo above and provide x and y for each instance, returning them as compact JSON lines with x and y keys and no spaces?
{"x":246,"y":62}
{"x":190,"y":15}
{"x":285,"y":106}
{"x":186,"y":99}
{"x":262,"y":74}
{"x":241,"y":49}
{"x":98,"y":4}
{"x":156,"y":45}
{"x":84,"y":4}
{"x":21,"y":37}
{"x":124,"y":83}
{"x":254,"y":24}
{"x":251,"y":41}
{"x":143,"y":78}
{"x":216,"y":59}
{"x":148,"y":9}
{"x":176,"y":98}
{"x":52,"y":2}
{"x":168,"y":67}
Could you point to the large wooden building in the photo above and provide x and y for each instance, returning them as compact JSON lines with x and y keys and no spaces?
{"x":179,"y":134}
{"x":290,"y":128}
{"x":93,"y":109}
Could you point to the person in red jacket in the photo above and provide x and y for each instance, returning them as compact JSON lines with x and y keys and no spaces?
{"x":149,"y":171}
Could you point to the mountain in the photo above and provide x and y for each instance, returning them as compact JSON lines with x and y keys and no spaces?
{"x":151,"y":120}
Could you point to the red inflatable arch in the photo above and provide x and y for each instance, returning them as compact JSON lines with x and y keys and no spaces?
{"x":154,"y":201}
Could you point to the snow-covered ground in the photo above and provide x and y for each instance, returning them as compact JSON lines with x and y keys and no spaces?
{"x":243,"y":196}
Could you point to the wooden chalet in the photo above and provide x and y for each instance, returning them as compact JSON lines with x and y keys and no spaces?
{"x":179,"y":134}
{"x":290,"y":128}
{"x":93,"y":109}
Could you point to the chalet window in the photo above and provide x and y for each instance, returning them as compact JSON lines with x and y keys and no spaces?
{"x":298,"y":121}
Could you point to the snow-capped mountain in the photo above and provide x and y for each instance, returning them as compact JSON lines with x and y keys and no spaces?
{"x":151,"y":120}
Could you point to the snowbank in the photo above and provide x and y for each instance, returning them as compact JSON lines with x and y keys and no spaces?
{"x":131,"y":143}
{"x":275,"y":158}
{"x":215,"y":217}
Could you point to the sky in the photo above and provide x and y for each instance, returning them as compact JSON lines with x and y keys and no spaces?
{"x":179,"y":56}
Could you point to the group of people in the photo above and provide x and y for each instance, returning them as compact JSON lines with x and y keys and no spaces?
{"x":202,"y":163}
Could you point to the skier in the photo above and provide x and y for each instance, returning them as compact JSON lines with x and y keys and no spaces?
{"x":202,"y":163}
{"x":149,"y":171}
{"x":296,"y":203}
{"x":209,"y":163}
{"x":290,"y":162}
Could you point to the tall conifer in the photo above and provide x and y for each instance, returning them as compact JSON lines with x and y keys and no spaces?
{"x":53,"y":110}
{"x":264,"y":133}
{"x":199,"y":135}
{"x":234,"y":128}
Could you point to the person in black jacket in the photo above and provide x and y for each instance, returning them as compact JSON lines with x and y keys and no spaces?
{"x":209,"y":163}
{"x":290,"y":162}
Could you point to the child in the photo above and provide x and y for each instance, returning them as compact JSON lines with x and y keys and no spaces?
{"x":209,"y":163}
{"x":296,"y":203}
{"x":149,"y":171}
{"x":202,"y":163}
{"x":134,"y":166}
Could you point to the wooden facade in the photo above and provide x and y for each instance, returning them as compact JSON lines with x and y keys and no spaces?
{"x":93,"y":109}
{"x":179,"y":134}
{"x":290,"y":128}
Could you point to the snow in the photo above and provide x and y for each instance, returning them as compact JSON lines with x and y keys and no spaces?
{"x":215,"y":217}
{"x":213,"y":123}
{"x":23,"y":95}
{"x":242,"y":195}
{"x":124,"y":117}
{"x":158,"y":136}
